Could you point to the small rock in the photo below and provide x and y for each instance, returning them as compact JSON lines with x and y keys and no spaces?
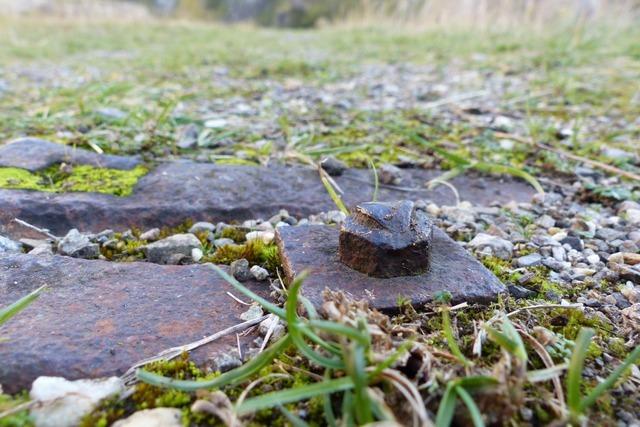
{"x":178,"y":259}
{"x":151,"y":235}
{"x":609,"y":234}
{"x":159,"y":252}
{"x":104,"y":236}
{"x":336,"y":217}
{"x":41,"y":250}
{"x":157,"y":417}
{"x":559,"y":253}
{"x":633,"y":216}
{"x":110,"y":113}
{"x":202,"y":227}
{"x":240,"y":270}
{"x":617,"y":154}
{"x":266,"y":236}
{"x":218,"y":243}
{"x":8,"y":246}
{"x":521,"y":292}
{"x":188,"y":136}
{"x":64,"y":403}
{"x":633,"y":313}
{"x":77,"y":245}
{"x":575,"y":242}
{"x":259,"y":273}
{"x":272,"y":322}
{"x":631,"y":293}
{"x":389,"y":174}
{"x":196,"y":254}
{"x":545,"y":221}
{"x":224,"y":362}
{"x":254,"y":312}
{"x":333,"y":166}
{"x":529,"y":260}
{"x":500,"y":248}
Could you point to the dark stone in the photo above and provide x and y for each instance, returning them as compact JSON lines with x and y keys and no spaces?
{"x":98,"y":318}
{"x":333,"y":166}
{"x":574,"y":242}
{"x":179,"y":191}
{"x":453,"y":269}
{"x":521,"y":292}
{"x":621,"y":301}
{"x":34,"y":154}
{"x":386,"y":239}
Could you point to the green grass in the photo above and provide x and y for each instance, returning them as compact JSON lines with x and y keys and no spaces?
{"x":148,"y":70}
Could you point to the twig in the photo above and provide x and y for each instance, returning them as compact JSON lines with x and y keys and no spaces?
{"x":21,"y":407}
{"x":273,"y":322}
{"x":239,"y":346}
{"x":548,"y":362}
{"x":237,"y":299}
{"x":614,"y":170}
{"x":38,"y":229}
{"x":173,"y":352}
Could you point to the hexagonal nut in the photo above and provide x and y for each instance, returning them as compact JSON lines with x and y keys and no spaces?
{"x":387,"y":239}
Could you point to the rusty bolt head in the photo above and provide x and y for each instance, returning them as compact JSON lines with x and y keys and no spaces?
{"x":387,"y":239}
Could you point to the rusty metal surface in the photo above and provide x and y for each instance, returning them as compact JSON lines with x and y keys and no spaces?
{"x":453,"y":269}
{"x":177,"y":191}
{"x":34,"y":154}
{"x":386,"y":239}
{"x":98,"y":318}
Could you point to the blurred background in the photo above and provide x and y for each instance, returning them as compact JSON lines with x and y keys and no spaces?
{"x":317,"y":13}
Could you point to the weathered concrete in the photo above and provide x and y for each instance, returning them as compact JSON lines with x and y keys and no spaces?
{"x":34,"y":154}
{"x":177,"y":191}
{"x":97,"y":318}
{"x":453,"y":269}
{"x":386,"y":239}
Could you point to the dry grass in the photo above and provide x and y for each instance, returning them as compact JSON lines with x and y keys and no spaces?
{"x":492,"y":14}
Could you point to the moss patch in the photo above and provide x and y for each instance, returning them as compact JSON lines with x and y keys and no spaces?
{"x":81,"y":178}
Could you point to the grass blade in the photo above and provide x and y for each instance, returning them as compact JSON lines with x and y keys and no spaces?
{"x":231,"y":377}
{"x":509,"y":339}
{"x":540,"y":375}
{"x":14,"y":308}
{"x":610,"y":381}
{"x":476,"y":417}
{"x":376,"y":182}
{"x":447,"y":406}
{"x":293,"y":419}
{"x":295,"y":330}
{"x":509,"y":170}
{"x":295,"y":394}
{"x":334,"y":196}
{"x":248,"y":293}
{"x":329,"y":416}
{"x":574,"y":377}
{"x":451,"y":340}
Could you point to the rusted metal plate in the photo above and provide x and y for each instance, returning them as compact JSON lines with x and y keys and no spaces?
{"x":98,"y":318}
{"x":34,"y":154}
{"x":175,"y":192}
{"x":453,"y":269}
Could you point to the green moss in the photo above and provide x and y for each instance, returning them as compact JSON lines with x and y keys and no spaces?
{"x":19,"y":179}
{"x":237,"y":234}
{"x":83,"y":178}
{"x":86,"y":178}
{"x":19,"y":419}
{"x":254,"y":251}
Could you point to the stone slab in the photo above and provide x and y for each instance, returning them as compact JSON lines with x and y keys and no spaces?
{"x":453,"y":269}
{"x":185,"y":190}
{"x":98,"y":318}
{"x":34,"y":154}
